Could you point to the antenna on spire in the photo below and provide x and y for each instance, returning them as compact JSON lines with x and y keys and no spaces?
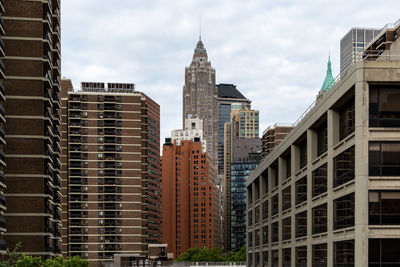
{"x":199,"y":27}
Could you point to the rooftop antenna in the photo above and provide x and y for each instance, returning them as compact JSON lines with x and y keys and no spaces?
{"x":199,"y":27}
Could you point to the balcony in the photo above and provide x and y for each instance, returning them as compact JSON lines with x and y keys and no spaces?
{"x":2,"y":6}
{"x":109,"y":181}
{"x":2,"y":23}
{"x":2,"y":222}
{"x":109,"y":140}
{"x":109,"y":106}
{"x":2,"y":89}
{"x":2,"y":156}
{"x":2,"y":178}
{"x":109,"y":131}
{"x":109,"y":115}
{"x":75,"y":156}
{"x":75,"y":173}
{"x":75,"y":189}
{"x":2,"y":113}
{"x":75,"y":139}
{"x":109,"y":123}
{"x":110,"y":198}
{"x":109,"y":173}
{"x":2,"y":136}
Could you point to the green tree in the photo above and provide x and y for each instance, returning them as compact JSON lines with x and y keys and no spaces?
{"x":28,"y":261}
{"x":212,"y":255}
{"x":17,"y":259}
{"x":12,"y":257}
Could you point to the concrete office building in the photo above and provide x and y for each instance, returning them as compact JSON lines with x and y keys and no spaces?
{"x":228,"y":94}
{"x":190,"y":199}
{"x":272,"y":136}
{"x":246,"y":157}
{"x":30,"y":160}
{"x":328,"y":194}
{"x":111,"y":179}
{"x":244,"y":123}
{"x":353,"y":44}
{"x":200,"y":97}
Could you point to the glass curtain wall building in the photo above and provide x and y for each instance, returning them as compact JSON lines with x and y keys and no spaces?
{"x":240,"y":170}
{"x":354,"y":43}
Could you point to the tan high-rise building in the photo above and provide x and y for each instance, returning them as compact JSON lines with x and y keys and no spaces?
{"x":244,"y":124}
{"x":30,"y":71}
{"x":200,"y":96}
{"x":112,"y":175}
{"x":190,"y":209}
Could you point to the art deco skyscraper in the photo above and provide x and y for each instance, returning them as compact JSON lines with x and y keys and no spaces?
{"x":200,"y":97}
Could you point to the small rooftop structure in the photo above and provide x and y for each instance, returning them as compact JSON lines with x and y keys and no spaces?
{"x":111,"y":87}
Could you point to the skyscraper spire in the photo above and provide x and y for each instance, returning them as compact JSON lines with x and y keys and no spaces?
{"x":199,"y":27}
{"x":329,"y":80}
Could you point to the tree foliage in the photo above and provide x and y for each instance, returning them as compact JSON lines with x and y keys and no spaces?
{"x":16,"y":259}
{"x":212,"y":255}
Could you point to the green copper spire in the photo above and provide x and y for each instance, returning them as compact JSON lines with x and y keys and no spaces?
{"x":329,"y":80}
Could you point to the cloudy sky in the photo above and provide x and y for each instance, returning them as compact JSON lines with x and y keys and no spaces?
{"x":274,"y":51}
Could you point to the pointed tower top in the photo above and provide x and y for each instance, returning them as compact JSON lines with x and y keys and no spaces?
{"x":329,"y":80}
{"x":200,"y":28}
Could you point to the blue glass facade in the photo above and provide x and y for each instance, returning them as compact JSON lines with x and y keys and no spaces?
{"x":223,"y":116}
{"x":239,"y":173}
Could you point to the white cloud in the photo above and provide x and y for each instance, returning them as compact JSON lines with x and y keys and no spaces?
{"x":274,"y":51}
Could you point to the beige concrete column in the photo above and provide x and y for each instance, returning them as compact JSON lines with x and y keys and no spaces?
{"x":361,"y":171}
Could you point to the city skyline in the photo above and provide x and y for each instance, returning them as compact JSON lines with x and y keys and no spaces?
{"x":157,"y":40}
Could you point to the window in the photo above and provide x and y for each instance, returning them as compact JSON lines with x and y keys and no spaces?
{"x":320,"y":180}
{"x":286,"y":257}
{"x":343,"y":212}
{"x":257,"y":238}
{"x":384,"y":207}
{"x":344,"y":167}
{"x":384,"y":108}
{"x":301,"y":190}
{"x":275,"y":205}
{"x":250,"y":218}
{"x":320,"y":214}
{"x":384,"y":158}
{"x":265,"y":210}
{"x":286,"y":228}
{"x":287,"y":161}
{"x":274,"y":173}
{"x":301,"y":256}
{"x":286,"y":198}
{"x":275,"y":258}
{"x":344,"y":253}
{"x":275,"y":232}
{"x":265,"y":258}
{"x":250,"y":239}
{"x":301,"y":224}
{"x":303,"y":154}
{"x":347,"y":119}
{"x":257,"y":214}
{"x":264,"y":179}
{"x":383,"y":252}
{"x":265,"y":235}
{"x":322,"y":138}
{"x":319,"y":255}
{"x":257,"y":260}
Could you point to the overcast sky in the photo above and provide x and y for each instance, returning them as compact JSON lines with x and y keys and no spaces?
{"x":274,"y":51}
